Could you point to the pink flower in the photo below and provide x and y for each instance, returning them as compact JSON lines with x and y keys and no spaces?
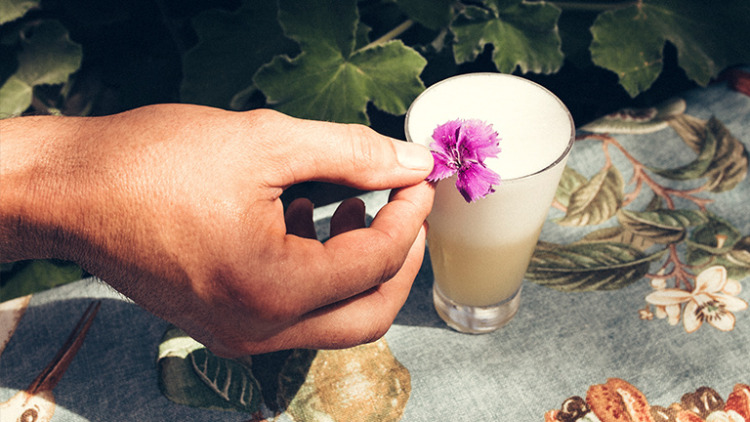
{"x":460,"y":147}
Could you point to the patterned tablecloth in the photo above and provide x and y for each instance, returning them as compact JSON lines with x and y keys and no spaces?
{"x":634,"y":308}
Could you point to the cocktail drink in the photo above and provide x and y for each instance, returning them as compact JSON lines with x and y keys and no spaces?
{"x":480,"y":250}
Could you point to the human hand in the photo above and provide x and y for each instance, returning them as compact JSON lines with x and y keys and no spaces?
{"x":177,"y":207}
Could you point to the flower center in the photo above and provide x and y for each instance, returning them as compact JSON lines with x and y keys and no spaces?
{"x":710,"y":310}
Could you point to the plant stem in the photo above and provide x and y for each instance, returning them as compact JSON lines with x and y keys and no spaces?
{"x":393,"y":33}
{"x":594,"y":7}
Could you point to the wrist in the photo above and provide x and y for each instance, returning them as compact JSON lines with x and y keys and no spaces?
{"x":36,"y":173}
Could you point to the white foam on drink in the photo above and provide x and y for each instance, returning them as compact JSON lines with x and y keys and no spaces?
{"x":514,"y":106}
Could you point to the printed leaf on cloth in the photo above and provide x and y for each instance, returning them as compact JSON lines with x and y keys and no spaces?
{"x":361,"y":383}
{"x":674,"y":240}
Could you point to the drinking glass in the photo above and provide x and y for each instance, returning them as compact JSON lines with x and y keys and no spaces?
{"x":480,"y":251}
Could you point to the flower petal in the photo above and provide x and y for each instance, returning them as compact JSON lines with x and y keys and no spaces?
{"x":475,"y":181}
{"x":723,"y":321}
{"x":673,"y":314}
{"x":733,"y":287}
{"x":661,"y":312}
{"x":711,"y":279}
{"x":731,"y":303}
{"x":445,"y":136}
{"x":442,"y":168}
{"x":690,"y":319}
{"x":460,"y":147}
{"x":478,"y":140}
{"x":658,"y":283}
{"x":667,"y":297}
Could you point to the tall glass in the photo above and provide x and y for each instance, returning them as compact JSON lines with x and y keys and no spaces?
{"x":480,"y":251}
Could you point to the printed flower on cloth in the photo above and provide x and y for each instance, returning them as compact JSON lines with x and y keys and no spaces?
{"x":712,"y":300}
{"x":460,"y":147}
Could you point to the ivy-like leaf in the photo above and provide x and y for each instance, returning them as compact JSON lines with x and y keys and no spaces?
{"x":46,"y":56}
{"x":583,"y":267}
{"x":16,"y":97}
{"x":727,"y":166}
{"x":661,"y":226}
{"x":330,"y":79}
{"x":524,"y":35}
{"x":232,"y":47}
{"x":11,"y":10}
{"x":190,"y":374}
{"x":630,"y":41}
{"x":433,"y":14}
{"x":25,"y":277}
{"x":596,"y":201}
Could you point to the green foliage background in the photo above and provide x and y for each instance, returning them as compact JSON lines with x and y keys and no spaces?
{"x":347,"y":60}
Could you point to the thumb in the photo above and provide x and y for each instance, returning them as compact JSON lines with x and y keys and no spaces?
{"x":349,"y":154}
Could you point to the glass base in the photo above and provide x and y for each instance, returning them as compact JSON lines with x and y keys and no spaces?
{"x":475,"y":319}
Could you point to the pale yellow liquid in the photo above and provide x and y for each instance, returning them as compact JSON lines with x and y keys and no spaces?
{"x":480,"y":276}
{"x":480,"y":251}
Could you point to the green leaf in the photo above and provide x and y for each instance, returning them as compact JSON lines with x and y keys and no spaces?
{"x":524,"y":35}
{"x":729,"y":164}
{"x":26,"y":277}
{"x":570,"y":181}
{"x":433,"y":14}
{"x":11,"y":10}
{"x":630,"y":41}
{"x":618,"y":234}
{"x":716,"y":236}
{"x":16,"y":97}
{"x":596,"y":201}
{"x":190,"y":374}
{"x":330,"y":80}
{"x":736,"y":260}
{"x":698,"y":167}
{"x":661,"y":226}
{"x":46,"y":56}
{"x":232,"y":47}
{"x":583,"y":267}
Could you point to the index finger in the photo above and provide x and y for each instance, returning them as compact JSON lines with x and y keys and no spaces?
{"x":344,"y":154}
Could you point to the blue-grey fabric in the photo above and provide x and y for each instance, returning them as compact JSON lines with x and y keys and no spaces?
{"x":558,"y":345}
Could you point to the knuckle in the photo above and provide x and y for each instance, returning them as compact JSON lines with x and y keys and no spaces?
{"x":364,"y":150}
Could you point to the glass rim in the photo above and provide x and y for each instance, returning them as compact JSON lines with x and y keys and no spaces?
{"x":560,"y":158}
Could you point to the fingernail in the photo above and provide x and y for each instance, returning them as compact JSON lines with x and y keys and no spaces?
{"x":414,"y":156}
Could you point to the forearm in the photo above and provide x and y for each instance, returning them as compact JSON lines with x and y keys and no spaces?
{"x":34,"y":185}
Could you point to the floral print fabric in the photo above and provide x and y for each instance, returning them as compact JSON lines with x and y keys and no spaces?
{"x":636,"y":299}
